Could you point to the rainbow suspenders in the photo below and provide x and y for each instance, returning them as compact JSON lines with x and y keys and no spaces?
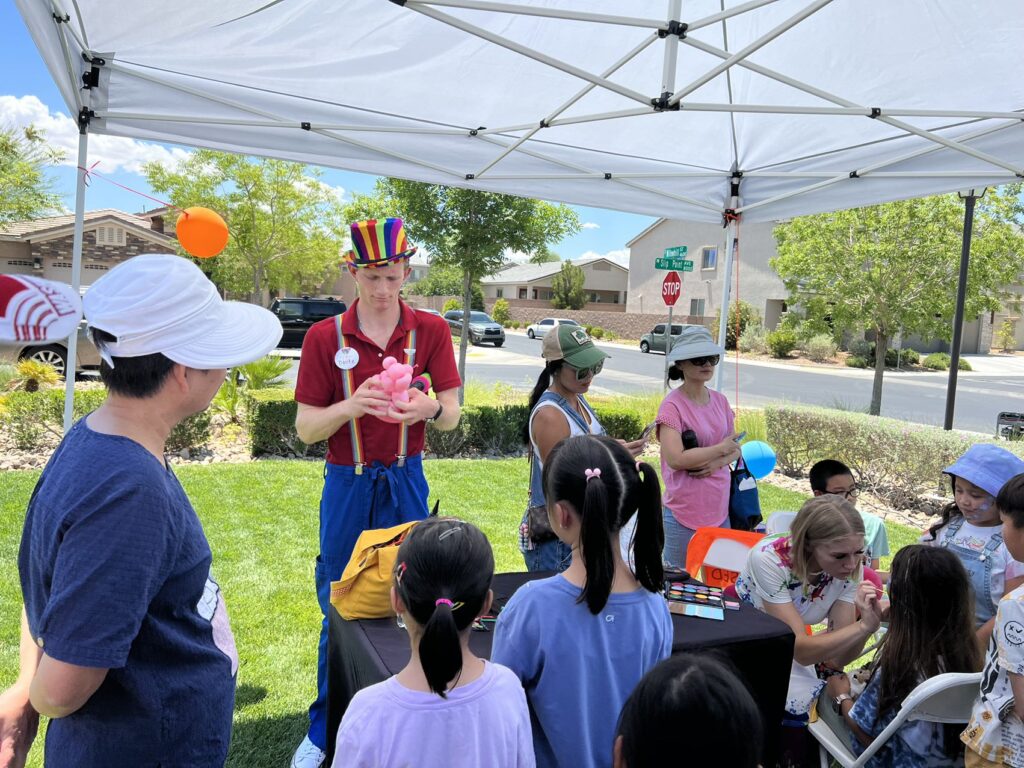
{"x":348,"y":386}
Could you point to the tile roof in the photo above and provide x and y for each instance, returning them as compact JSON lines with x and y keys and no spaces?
{"x":527,"y":273}
{"x":24,"y":230}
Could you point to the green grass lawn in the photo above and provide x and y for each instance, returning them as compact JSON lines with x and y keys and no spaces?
{"x":261,"y":520}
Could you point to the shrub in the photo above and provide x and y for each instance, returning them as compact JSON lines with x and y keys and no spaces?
{"x":589,"y":329}
{"x":8,"y":377}
{"x":193,"y":432}
{"x":862,"y":348}
{"x":741,"y":313}
{"x":1006,"y":336}
{"x":754,"y":340}
{"x":894,"y":459}
{"x":32,"y":375}
{"x":940,"y":361}
{"x":450,"y":305}
{"x":855,"y":361}
{"x":598,"y":333}
{"x":270,"y":415}
{"x":820,"y":348}
{"x":266,"y":373}
{"x":781,"y":342}
{"x":500,"y":312}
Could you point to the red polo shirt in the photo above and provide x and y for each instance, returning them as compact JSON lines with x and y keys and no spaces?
{"x":319,"y":381}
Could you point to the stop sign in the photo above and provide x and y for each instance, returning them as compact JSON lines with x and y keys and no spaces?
{"x":671,"y":287}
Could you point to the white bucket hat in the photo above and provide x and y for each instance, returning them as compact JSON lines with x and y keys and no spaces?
{"x":159,"y":302}
{"x":694,"y":341}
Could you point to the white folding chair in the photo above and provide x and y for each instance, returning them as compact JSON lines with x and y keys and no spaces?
{"x":779,"y":522}
{"x":945,"y":698}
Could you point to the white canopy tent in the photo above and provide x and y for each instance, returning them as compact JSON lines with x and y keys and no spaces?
{"x":689,"y":110}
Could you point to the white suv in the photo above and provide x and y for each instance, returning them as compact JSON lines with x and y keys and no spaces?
{"x":540,"y":330}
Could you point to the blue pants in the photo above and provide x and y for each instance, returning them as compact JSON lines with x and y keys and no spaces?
{"x":550,"y":555}
{"x":378,"y":498}
{"x":677,"y":538}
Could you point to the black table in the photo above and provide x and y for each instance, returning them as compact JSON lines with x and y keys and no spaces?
{"x":362,"y":653}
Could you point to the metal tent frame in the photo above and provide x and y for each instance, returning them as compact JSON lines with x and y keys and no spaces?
{"x":551,"y":147}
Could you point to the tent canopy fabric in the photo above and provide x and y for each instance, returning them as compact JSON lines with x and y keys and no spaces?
{"x":660,"y":107}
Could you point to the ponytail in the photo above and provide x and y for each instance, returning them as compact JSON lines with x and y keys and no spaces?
{"x":649,"y":539}
{"x":440,"y":648}
{"x":605,"y":485}
{"x":598,"y":558}
{"x":443,"y":576}
{"x":551,"y":369}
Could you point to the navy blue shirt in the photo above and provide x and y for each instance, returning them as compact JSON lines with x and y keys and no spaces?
{"x":115,"y":573}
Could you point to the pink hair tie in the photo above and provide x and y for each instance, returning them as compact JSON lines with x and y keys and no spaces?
{"x":592,"y":473}
{"x":638,"y":463}
{"x":444,"y":601}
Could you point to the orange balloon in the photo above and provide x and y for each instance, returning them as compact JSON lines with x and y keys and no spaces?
{"x":201,"y":232}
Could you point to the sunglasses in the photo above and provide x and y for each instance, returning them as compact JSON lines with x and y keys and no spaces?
{"x":586,"y":373}
{"x":699,"y":361}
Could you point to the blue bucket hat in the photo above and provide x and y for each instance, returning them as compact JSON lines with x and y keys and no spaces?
{"x":987,"y":466}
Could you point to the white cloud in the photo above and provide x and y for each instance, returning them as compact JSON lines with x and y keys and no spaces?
{"x":620,"y":256}
{"x":113,"y":152}
{"x":339,"y":193}
{"x":591,"y":225}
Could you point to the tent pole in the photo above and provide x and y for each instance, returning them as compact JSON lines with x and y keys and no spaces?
{"x":958,"y":316}
{"x":723,"y":321}
{"x":71,"y":365}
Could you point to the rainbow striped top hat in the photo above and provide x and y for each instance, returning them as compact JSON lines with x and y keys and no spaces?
{"x":378,"y":242}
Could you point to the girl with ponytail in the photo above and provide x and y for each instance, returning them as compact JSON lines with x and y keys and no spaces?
{"x":447,"y":706}
{"x":580,"y":641}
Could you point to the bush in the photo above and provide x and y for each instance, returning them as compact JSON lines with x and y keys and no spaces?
{"x":908,"y":356}
{"x":940,"y":361}
{"x":820,"y":348}
{"x":500,"y":312}
{"x":450,"y":305}
{"x":30,"y":415}
{"x":754,"y":340}
{"x":742,"y":313}
{"x":862,"y":348}
{"x":781,"y":342}
{"x":32,"y":375}
{"x":598,"y":333}
{"x":894,"y":459}
{"x":1006,"y":336}
{"x":270,"y":416}
{"x":855,"y":361}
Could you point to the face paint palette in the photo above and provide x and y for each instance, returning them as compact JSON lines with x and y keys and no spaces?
{"x":695,"y":600}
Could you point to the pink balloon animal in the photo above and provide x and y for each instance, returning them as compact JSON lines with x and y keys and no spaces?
{"x":395,"y":380}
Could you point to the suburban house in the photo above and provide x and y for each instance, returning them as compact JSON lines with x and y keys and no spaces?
{"x":605,"y":283}
{"x":759,"y":284}
{"x":43,"y":247}
{"x":701,"y":294}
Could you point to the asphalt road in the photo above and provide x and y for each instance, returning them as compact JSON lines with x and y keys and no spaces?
{"x":917,"y":397}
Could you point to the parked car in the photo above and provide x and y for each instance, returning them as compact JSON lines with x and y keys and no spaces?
{"x":540,"y":330}
{"x":654,"y":341}
{"x":482,"y":329}
{"x":55,"y":353}
{"x":297,"y":315}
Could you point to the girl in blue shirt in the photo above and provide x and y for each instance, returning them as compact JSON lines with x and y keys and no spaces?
{"x":580,"y":641}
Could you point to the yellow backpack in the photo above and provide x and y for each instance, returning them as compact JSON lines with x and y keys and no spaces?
{"x":363,"y":592}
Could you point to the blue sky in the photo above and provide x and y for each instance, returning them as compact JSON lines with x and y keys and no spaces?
{"x":28,"y":95}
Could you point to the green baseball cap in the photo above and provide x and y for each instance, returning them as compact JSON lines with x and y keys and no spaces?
{"x":572,"y":344}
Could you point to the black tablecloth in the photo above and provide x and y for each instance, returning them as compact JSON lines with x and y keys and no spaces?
{"x":361,"y":653}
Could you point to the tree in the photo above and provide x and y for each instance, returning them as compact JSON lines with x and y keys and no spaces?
{"x":446,"y":281}
{"x":286,"y":225}
{"x":544,"y":255}
{"x":467,"y":229}
{"x":893,"y":268}
{"x":25,"y":190}
{"x":567,"y":287}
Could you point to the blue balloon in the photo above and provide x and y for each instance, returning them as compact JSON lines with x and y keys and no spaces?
{"x":759,"y":458}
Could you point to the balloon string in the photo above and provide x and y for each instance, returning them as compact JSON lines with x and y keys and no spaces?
{"x":89,"y":173}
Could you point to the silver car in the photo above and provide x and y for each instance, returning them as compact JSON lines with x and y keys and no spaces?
{"x":54,"y":353}
{"x":540,"y":330}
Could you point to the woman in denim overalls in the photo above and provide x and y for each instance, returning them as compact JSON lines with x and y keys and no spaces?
{"x":971,"y":529}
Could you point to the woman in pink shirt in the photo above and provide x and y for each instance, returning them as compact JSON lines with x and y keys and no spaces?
{"x":695,"y":429}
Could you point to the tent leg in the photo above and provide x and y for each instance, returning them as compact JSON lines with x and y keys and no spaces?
{"x":723,"y":321}
{"x":71,"y":365}
{"x":958,"y":315}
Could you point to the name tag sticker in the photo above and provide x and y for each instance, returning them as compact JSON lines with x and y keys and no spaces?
{"x":346,"y":358}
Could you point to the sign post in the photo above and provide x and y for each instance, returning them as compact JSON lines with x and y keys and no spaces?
{"x":671,"y":287}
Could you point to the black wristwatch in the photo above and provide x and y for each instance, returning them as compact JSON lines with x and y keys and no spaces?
{"x":437,"y":415}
